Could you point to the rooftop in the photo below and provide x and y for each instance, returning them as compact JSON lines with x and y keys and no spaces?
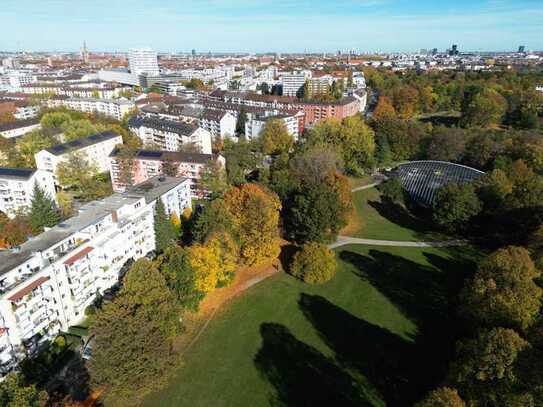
{"x":78,"y":144}
{"x":176,"y":156}
{"x":19,"y":124}
{"x":162,"y":124}
{"x":16,"y":173}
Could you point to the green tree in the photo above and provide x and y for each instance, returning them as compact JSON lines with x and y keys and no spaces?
{"x":240,"y":123}
{"x":43,"y":212}
{"x":503,"y":291}
{"x":180,"y":277}
{"x":484,"y":108}
{"x":392,"y":190}
{"x":213,"y":180}
{"x":134,"y":335}
{"x":31,"y":143}
{"x":55,"y":120}
{"x":455,"y":205}
{"x":76,"y":129}
{"x":315,"y":263}
{"x":165,"y":234}
{"x":275,"y":138}
{"x":14,"y":392}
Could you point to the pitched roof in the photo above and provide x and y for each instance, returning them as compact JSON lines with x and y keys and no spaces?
{"x":164,"y":125}
{"x":78,"y":144}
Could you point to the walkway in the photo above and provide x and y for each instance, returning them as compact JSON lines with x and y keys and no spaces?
{"x":346,"y":240}
{"x":366,"y":186}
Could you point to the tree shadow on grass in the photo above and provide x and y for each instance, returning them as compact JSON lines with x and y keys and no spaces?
{"x":301,"y":375}
{"x":425,"y":295}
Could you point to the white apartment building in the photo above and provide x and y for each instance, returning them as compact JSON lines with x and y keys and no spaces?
{"x":219,"y":123}
{"x":294,"y":82}
{"x":120,"y":75}
{"x":169,"y":135}
{"x":19,"y":128}
{"x":46,"y":283}
{"x":255,"y":125}
{"x":115,"y":108}
{"x":104,"y":92}
{"x":24,"y":111}
{"x":94,"y":149}
{"x":143,"y":61}
{"x":16,"y":80}
{"x":17,"y":188}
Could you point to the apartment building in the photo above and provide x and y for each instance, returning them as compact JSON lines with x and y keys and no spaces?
{"x":17,"y":188}
{"x":143,"y":61}
{"x":254,"y":126}
{"x":100,"y":92}
{"x":19,"y":128}
{"x":20,"y":109}
{"x":114,"y":108}
{"x":46,"y":283}
{"x":149,"y":163}
{"x":219,"y":123}
{"x":169,"y":135}
{"x":293,"y":83}
{"x":94,"y":149}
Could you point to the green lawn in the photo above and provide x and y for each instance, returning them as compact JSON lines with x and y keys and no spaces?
{"x":355,"y":182}
{"x":377,"y":334}
{"x":376,"y":220}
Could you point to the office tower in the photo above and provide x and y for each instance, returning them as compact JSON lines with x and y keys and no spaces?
{"x":143,"y":61}
{"x":522,"y":49}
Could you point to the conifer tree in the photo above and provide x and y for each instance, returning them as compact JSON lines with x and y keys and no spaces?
{"x":165,"y":233}
{"x":43,"y":212}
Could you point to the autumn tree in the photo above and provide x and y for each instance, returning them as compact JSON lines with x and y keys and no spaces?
{"x":447,"y":144}
{"x":16,"y":231}
{"x":31,"y":143}
{"x":455,"y":205}
{"x":213,"y":180}
{"x":483,"y":108}
{"x":164,"y":229}
{"x":134,"y":334}
{"x":14,"y":392}
{"x":255,"y":214}
{"x":384,"y":109}
{"x":442,"y":397}
{"x":315,"y":263}
{"x":275,"y":138}
{"x":503,"y":291}
{"x":43,"y":211}
{"x":7,"y":117}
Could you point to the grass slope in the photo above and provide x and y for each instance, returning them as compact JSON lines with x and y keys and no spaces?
{"x":377,"y":334}
{"x":375,"y":220}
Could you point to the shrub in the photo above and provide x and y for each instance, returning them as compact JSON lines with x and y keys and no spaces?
{"x":314,"y":264}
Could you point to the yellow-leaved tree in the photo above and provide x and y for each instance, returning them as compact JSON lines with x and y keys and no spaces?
{"x":255,"y":214}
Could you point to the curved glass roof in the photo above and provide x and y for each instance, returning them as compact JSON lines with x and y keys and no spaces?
{"x":421,"y":179}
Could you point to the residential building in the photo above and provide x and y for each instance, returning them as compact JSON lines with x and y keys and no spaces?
{"x":170,"y":135}
{"x":143,"y":61}
{"x":254,"y":126}
{"x":293,"y":83}
{"x":115,"y":108}
{"x":219,"y":123}
{"x":17,"y":187}
{"x":100,"y":92}
{"x":47,"y":283}
{"x":94,"y":149}
{"x":19,"y":128}
{"x":20,"y":109}
{"x":119,"y":75}
{"x":146,"y":164}
{"x":16,"y":80}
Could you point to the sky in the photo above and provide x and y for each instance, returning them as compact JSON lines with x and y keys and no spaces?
{"x":270,"y":25}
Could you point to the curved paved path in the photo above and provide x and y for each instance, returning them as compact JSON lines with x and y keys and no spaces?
{"x":346,"y":240}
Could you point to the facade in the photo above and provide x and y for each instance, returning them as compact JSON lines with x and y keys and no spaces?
{"x":17,"y":188}
{"x":100,"y":92}
{"x":19,"y":128}
{"x":94,"y":149}
{"x":219,"y":123}
{"x":16,"y":80}
{"x":254,"y":126}
{"x":150,"y":163}
{"x":143,"y":61}
{"x":118,"y":75}
{"x":293,"y":83}
{"x":46,"y":283}
{"x":115,"y":108}
{"x":169,"y":135}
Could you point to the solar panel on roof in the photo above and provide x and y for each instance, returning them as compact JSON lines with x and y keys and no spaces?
{"x":153,"y":154}
{"x":16,"y":172}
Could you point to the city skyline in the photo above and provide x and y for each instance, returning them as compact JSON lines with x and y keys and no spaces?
{"x":292,"y":26}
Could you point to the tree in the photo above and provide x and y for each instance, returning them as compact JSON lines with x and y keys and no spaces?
{"x":43,"y":212}
{"x":442,"y":397}
{"x":14,"y":392}
{"x":7,"y":117}
{"x":255,"y":215}
{"x":315,"y":164}
{"x":55,"y":120}
{"x":275,"y":138}
{"x":241,"y":159}
{"x":165,"y":234}
{"x":447,"y":144}
{"x":484,"y":108}
{"x":455,"y":205}
{"x":392,"y":190}
{"x":180,"y":277}
{"x":76,"y":129}
{"x":75,"y":172}
{"x":31,"y":143}
{"x":384,"y":109}
{"x":134,"y":334}
{"x":503,"y":291}
{"x":319,"y":211}
{"x":170,"y":167}
{"x":65,"y":204}
{"x":315,"y":263}
{"x":215,"y":217}
{"x":485,"y":364}
{"x":15,"y":231}
{"x":240,"y":123}
{"x":213,"y":180}
{"x":493,"y":189}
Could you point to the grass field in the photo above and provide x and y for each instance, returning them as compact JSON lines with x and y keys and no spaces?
{"x":377,"y":334}
{"x":376,"y":220}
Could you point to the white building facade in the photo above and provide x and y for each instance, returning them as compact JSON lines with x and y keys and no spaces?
{"x":143,"y":61}
{"x":17,"y":188}
{"x":46,"y":284}
{"x":114,"y":108}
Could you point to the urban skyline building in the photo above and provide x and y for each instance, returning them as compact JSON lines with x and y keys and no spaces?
{"x":143,"y":61}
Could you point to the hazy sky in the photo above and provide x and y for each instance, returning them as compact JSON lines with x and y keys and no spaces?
{"x":272,"y":25}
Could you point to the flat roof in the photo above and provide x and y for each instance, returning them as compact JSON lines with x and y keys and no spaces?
{"x":176,"y":156}
{"x":78,"y":144}
{"x":19,"y":124}
{"x":16,"y":173}
{"x":89,"y":214}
